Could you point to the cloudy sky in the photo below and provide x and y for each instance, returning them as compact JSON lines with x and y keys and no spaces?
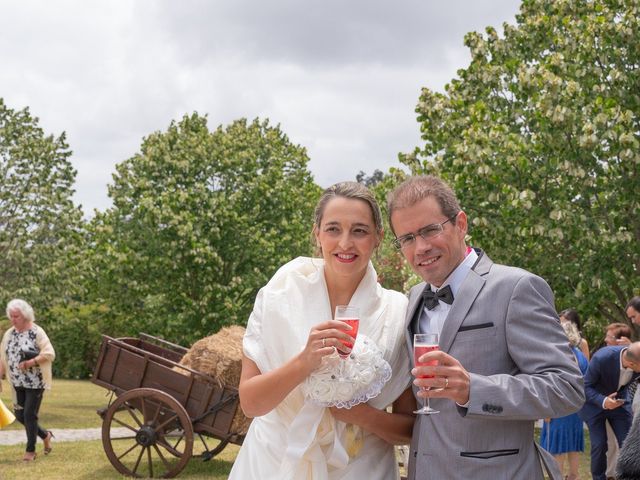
{"x":341,"y":77}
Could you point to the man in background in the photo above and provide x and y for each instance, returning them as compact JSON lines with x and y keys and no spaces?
{"x":633,"y":314}
{"x":610,"y":373}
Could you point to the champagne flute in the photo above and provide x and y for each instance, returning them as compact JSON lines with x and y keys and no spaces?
{"x":349,"y":315}
{"x":423,"y":343}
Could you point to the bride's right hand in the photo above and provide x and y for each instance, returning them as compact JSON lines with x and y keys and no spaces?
{"x":323,"y":340}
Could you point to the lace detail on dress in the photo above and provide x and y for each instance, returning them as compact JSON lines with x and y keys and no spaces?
{"x":366,"y":371}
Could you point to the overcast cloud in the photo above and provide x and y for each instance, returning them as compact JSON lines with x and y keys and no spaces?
{"x":342,"y":78}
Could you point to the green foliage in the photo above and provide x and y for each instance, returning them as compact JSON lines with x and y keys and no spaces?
{"x":539,"y":137}
{"x":76,"y":334}
{"x":393,"y":272}
{"x":40,"y":228}
{"x":200,"y":222}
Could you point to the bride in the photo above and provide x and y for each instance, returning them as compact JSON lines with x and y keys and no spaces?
{"x":291,"y":336}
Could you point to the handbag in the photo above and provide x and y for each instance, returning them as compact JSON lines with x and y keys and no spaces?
{"x":6,"y":416}
{"x":27,"y":353}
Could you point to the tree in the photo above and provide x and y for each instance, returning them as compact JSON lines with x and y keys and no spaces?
{"x":41,"y":233}
{"x":200,"y":221}
{"x":371,"y":181}
{"x":540,"y":138}
{"x":393,"y":272}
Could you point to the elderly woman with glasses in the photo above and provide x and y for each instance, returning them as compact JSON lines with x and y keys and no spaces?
{"x":26,"y":355}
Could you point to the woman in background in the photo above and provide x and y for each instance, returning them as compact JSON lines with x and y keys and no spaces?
{"x":564,"y":437}
{"x":617,"y":334}
{"x":570,"y":315}
{"x":26,"y":355}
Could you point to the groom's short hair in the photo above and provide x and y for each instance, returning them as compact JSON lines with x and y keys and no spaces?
{"x":417,"y":188}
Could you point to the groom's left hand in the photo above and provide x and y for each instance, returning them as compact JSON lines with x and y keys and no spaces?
{"x":355,"y":415}
{"x":450,"y":379}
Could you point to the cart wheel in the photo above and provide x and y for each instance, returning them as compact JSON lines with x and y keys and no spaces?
{"x":158,"y":438}
{"x":209,"y":454}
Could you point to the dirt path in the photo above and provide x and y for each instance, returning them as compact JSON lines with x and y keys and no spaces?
{"x":12,"y":437}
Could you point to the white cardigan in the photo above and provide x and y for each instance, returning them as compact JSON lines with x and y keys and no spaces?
{"x":46,"y":355}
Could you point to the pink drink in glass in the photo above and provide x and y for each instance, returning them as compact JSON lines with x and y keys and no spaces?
{"x":425,"y":343}
{"x":418,"y":351}
{"x":353,"y":333}
{"x":351,"y":316}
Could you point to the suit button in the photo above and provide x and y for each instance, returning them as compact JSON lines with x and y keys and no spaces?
{"x":485,"y":408}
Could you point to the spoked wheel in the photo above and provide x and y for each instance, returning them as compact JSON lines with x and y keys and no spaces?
{"x":158,"y":434}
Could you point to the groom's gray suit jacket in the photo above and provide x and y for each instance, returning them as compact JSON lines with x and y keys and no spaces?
{"x":504,"y":330}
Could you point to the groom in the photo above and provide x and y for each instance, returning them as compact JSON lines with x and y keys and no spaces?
{"x":504,"y":360}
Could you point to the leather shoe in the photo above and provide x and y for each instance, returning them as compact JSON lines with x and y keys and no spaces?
{"x":47,"y":442}
{"x":29,"y":457}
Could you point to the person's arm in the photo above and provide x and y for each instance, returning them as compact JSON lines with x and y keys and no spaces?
{"x":584,"y":347}
{"x":591,"y":379}
{"x":262,"y":392}
{"x":546,"y":381}
{"x":393,"y":427}
{"x":47,"y":353}
{"x":611,"y":402}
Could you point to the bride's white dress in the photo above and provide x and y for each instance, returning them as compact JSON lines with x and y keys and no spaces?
{"x":298,"y":440}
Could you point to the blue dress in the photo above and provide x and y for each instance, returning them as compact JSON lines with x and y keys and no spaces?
{"x":565,"y":434}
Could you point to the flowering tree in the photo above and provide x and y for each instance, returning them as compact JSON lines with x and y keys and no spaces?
{"x":40,"y":227}
{"x":200,"y":222}
{"x":539,"y":136}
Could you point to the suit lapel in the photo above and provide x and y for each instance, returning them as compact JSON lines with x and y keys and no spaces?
{"x":465,"y":297}
{"x":411,"y":326}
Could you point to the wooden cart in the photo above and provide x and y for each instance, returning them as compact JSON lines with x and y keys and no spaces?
{"x":158,"y":406}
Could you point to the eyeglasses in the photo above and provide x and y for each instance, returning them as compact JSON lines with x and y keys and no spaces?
{"x":430,"y":231}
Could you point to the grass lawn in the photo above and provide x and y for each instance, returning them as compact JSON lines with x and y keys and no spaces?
{"x":584,"y":470}
{"x":73,"y":404}
{"x":87,"y":461}
{"x":70,"y":404}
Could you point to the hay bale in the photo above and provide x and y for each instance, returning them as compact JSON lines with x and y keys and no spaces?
{"x":220,"y":356}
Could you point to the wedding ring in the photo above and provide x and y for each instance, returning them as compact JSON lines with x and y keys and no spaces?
{"x":446,"y":382}
{"x":323,"y":342}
